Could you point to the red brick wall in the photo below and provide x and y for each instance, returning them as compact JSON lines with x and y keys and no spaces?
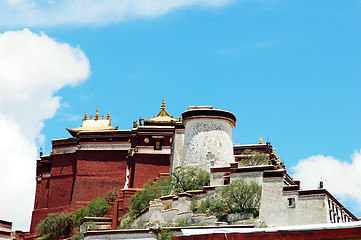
{"x":97,"y":172}
{"x":148,"y":166}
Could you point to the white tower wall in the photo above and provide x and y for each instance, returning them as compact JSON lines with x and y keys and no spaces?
{"x":207,"y":142}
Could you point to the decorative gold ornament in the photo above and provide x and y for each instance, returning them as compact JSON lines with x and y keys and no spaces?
{"x":146,"y":140}
{"x":170,"y":140}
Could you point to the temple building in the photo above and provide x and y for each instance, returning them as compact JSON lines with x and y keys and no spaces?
{"x":98,"y":158}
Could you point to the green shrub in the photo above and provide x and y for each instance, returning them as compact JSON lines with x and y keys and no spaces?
{"x":96,"y":208}
{"x":254,"y":159}
{"x":151,"y":191}
{"x":242,"y":197}
{"x":56,"y":225}
{"x":164,"y":235}
{"x":182,"y":222}
{"x":189,"y":178}
{"x":79,"y":215}
{"x":111,"y":195}
{"x":214,"y":207}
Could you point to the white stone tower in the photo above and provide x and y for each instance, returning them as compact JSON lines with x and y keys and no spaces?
{"x":207,"y":137}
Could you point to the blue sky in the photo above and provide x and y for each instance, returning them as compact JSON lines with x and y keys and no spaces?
{"x":289,"y":70}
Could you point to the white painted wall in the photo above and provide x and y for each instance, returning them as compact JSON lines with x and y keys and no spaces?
{"x":275,"y":210}
{"x":177,"y":149}
{"x":207,"y":140}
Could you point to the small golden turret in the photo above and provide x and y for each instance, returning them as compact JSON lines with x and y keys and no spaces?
{"x":163,"y":105}
{"x":97,"y":114}
{"x":85,"y":116}
{"x":260,"y":139}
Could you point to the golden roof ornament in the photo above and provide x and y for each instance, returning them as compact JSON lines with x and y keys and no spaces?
{"x":260,"y":139}
{"x":162,"y":118}
{"x":163,"y":105}
{"x":93,"y":124}
{"x":85,"y":116}
{"x":274,"y":151}
{"x":278,"y":160}
{"x":96,"y":114}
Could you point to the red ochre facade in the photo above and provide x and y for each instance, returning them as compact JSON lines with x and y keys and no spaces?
{"x":90,"y":164}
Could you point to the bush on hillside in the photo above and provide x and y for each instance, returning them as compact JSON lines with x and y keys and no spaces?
{"x":56,"y":225}
{"x":189,"y":178}
{"x":96,"y":208}
{"x":242,"y":197}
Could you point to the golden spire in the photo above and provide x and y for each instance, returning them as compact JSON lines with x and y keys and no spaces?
{"x":260,"y":139}
{"x":108,"y":115}
{"x":163,"y":105}
{"x":97,"y":114}
{"x":85,"y":116}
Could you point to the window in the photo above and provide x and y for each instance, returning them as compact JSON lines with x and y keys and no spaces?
{"x":158,"y":142}
{"x":291,"y":203}
{"x":158,"y":146}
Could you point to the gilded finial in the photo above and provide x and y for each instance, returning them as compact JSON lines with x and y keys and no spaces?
{"x":260,"y":139}
{"x":278,"y":160}
{"x":85,"y":116}
{"x":274,"y":151}
{"x":163,"y":104}
{"x":97,"y":114}
{"x":108,"y":115}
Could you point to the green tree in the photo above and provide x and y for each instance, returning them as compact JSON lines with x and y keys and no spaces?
{"x":56,"y":225}
{"x":189,"y":178}
{"x":241,"y":196}
{"x":254,"y":159}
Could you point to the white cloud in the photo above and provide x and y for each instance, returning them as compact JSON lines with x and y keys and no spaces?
{"x":32,"y":69}
{"x":342,"y":178}
{"x":48,"y":13}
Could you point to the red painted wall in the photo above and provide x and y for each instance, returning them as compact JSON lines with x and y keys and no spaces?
{"x":345,"y":233}
{"x":148,"y":166}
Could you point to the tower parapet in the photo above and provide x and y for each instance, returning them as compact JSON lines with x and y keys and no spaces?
{"x":208,"y":137}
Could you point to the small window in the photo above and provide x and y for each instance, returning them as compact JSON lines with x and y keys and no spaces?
{"x":157,"y":146}
{"x":157,"y":142}
{"x":291,"y":203}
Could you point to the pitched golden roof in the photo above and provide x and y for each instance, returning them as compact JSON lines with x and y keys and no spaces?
{"x":163,"y":117}
{"x":93,"y":124}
